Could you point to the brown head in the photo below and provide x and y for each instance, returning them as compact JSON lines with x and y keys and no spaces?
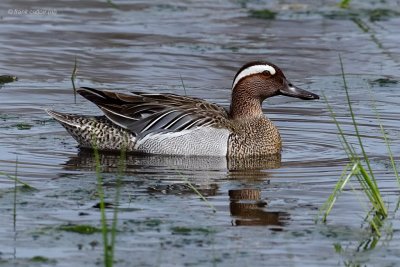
{"x":255,"y":82}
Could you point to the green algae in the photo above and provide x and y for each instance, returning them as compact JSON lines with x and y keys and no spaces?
{"x":153,"y":222}
{"x":80,"y":229}
{"x":41,"y":259}
{"x":23,"y":126}
{"x":182,"y":230}
{"x":383,"y":82}
{"x":381,"y":14}
{"x":373,"y":15}
{"x":263,"y":14}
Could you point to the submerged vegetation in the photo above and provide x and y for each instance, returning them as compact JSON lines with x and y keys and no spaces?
{"x":359,"y":16}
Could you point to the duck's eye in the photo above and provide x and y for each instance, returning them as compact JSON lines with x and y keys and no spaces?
{"x":265,"y":72}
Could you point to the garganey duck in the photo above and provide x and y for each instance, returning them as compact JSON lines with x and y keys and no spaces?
{"x":182,"y":125}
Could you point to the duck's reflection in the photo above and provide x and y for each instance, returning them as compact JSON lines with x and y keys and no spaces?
{"x":248,"y":208}
{"x":246,"y":205}
{"x":110,"y":162}
{"x":205,"y":190}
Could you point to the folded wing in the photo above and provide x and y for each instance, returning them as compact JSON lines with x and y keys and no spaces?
{"x":143,"y":113}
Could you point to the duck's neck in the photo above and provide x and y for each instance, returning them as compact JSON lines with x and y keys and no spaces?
{"x":245,"y":103}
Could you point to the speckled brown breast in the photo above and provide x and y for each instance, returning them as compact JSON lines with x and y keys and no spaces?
{"x":254,"y":137}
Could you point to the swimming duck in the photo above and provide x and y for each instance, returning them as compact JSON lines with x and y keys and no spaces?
{"x":183,"y":125}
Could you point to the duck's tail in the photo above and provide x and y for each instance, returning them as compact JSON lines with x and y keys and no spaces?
{"x":94,"y":132}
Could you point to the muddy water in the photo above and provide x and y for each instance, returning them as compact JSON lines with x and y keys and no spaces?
{"x":146,"y":46}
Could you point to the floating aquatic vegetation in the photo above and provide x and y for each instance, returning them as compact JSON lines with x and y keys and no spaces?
{"x":381,"y":14}
{"x":80,"y":229}
{"x":373,"y":15}
{"x":23,"y":126}
{"x":383,"y":82}
{"x":41,"y":259}
{"x":263,"y":14}
{"x":7,"y":79}
{"x":181,"y":230}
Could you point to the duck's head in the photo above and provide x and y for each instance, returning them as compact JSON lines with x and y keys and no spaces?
{"x":262,"y":79}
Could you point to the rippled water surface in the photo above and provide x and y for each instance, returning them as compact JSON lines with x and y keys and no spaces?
{"x":150,"y":46}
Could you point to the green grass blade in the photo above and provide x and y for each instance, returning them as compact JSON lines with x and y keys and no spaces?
{"x":376,"y":224}
{"x":328,"y":205}
{"x":100,"y":191}
{"x":15,"y":196}
{"x":373,"y":190}
{"x":386,"y":139}
{"x":365,"y":176}
{"x":73,"y":77}
{"x":346,"y":146}
{"x":199,"y":194}
{"x":17,"y":180}
{"x":397,"y":206}
{"x":354,"y":120}
{"x":344,"y":4}
{"x":368,"y":244}
{"x":112,"y":4}
{"x":183,"y":85}
{"x":121,"y":167}
{"x":371,"y":195}
{"x":391,"y":157}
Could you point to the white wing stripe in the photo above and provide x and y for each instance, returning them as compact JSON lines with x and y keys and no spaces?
{"x":170,"y":124}
{"x":156,"y":120}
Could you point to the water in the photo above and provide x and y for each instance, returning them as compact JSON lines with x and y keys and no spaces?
{"x":146,"y":46}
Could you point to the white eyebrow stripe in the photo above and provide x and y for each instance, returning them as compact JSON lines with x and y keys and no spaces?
{"x":253,"y":70}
